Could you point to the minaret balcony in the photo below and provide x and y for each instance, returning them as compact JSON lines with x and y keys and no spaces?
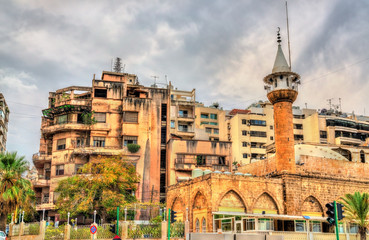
{"x":282,"y":95}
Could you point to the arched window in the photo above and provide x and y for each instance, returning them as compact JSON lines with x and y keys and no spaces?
{"x":197,"y":225}
{"x":362,"y":156}
{"x":203,"y":225}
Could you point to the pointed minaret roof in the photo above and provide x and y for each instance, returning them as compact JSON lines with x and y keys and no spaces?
{"x":280,"y":63}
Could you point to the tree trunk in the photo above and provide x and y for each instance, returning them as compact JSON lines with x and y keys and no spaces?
{"x":362,"y":232}
{"x":3,"y":219}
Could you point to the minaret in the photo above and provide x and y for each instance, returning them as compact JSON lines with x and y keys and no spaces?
{"x":282,"y":92}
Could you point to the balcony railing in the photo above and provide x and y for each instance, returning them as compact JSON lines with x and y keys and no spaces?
{"x":188,"y":164}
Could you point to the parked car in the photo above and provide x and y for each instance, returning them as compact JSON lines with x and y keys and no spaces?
{"x":2,"y":236}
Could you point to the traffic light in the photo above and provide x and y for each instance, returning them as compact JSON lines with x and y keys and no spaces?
{"x":330,"y":213}
{"x":112,"y":228}
{"x":173,"y":217}
{"x":340,"y":211}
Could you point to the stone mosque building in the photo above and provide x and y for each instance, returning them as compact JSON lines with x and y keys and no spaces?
{"x":285,"y":192}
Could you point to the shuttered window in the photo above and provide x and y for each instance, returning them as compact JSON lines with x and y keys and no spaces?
{"x":100,"y":117}
{"x":131,"y":117}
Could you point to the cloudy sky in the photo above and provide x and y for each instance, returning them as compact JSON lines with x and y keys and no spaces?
{"x":222,"y":48}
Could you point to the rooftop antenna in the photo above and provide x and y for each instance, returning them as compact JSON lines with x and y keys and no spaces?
{"x":330,"y":103}
{"x":288,"y":38}
{"x":117,"y":65}
{"x":155,"y":77}
{"x":339,"y":99}
{"x":166,"y":79}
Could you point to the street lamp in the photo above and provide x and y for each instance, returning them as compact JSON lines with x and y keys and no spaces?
{"x":125,"y":214}
{"x":68,"y":217}
{"x":23,"y":217}
{"x":43,"y":214}
{"x":12,"y":217}
{"x":94,"y":216}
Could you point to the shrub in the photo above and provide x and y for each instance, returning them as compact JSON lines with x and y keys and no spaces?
{"x":133,"y":148}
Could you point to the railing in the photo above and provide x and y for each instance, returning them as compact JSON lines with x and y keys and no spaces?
{"x":103,"y":232}
{"x":200,"y":162}
{"x":80,"y":232}
{"x":31,"y":228}
{"x":177,"y":230}
{"x":144,"y":231}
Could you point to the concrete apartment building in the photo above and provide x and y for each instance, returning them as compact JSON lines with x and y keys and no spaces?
{"x":4,"y":119}
{"x":83,"y":124}
{"x":212,"y":121}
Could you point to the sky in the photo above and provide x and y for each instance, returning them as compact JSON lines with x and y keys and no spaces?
{"x":221,"y":48}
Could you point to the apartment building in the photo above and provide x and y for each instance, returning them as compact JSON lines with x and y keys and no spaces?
{"x":85,"y":123}
{"x":4,"y":119}
{"x":252,"y":130}
{"x":337,"y":129}
{"x":210,"y":123}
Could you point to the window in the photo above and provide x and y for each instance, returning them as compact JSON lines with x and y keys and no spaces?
{"x":79,"y":118}
{"x":208,"y":130}
{"x":59,"y":170}
{"x":131,"y":117}
{"x":248,"y":224}
{"x":100,"y":117}
{"x":213,"y":123}
{"x":271,"y":127}
{"x":61,"y":144}
{"x":353,"y":228}
{"x":244,"y":122}
{"x":266,"y":224}
{"x":213,"y":116}
{"x":299,"y":137}
{"x":78,"y":168}
{"x":204,"y":115}
{"x":216,"y":131}
{"x":80,"y":142}
{"x":297,"y":126}
{"x":257,"y":134}
{"x":315,"y":226}
{"x":244,"y":144}
{"x":197,"y":225}
{"x":300,"y":226}
{"x":203,"y":225}
{"x":362,"y":156}
{"x":63,"y":119}
{"x":172,"y":124}
{"x":129,"y":140}
{"x":99,"y":142}
{"x":271,"y":138}
{"x":258,"y":123}
{"x":183,"y":113}
{"x":204,"y":123}
{"x":244,"y":155}
{"x":183,"y":128}
{"x":323,"y":134}
{"x":101,"y":93}
{"x":244,"y":133}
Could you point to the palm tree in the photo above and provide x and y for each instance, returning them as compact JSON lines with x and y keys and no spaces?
{"x":356,"y":211}
{"x":14,"y":189}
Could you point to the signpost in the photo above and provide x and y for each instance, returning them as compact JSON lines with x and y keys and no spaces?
{"x":93,"y":229}
{"x":117,"y":238}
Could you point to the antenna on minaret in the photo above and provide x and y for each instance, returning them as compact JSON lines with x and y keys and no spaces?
{"x":279,"y":36}
{"x":288,"y":38}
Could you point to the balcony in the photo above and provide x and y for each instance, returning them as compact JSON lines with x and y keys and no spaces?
{"x":40,"y":158}
{"x":44,"y":203}
{"x":67,"y":126}
{"x":75,"y":102}
{"x":185,"y":118}
{"x":108,"y":151}
{"x":42,"y":181}
{"x":185,"y":133}
{"x":258,"y":150}
{"x":190,"y":164}
{"x":348,"y":141}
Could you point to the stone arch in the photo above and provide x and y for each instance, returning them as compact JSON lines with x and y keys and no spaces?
{"x":265,"y":203}
{"x":199,"y":201}
{"x":232,"y":202}
{"x":344,"y":152}
{"x":312,"y":207}
{"x":179,"y":207}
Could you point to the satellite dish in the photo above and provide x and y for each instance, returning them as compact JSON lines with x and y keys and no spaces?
{"x":306,"y":217}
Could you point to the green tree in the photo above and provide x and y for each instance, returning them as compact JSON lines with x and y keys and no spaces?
{"x":356,"y":211}
{"x":15,"y":191}
{"x":102,"y":185}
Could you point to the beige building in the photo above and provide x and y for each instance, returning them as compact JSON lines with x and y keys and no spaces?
{"x":252,"y":130}
{"x":4,"y":119}
{"x":212,"y":121}
{"x":84,"y":123}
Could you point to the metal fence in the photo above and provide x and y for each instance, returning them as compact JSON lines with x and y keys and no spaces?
{"x":103,"y":231}
{"x":31,"y":228}
{"x":80,"y":232}
{"x":52,"y":233}
{"x":177,"y":230}
{"x":144,"y":231}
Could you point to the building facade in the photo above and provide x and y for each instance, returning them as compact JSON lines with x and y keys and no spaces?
{"x":4,"y":119}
